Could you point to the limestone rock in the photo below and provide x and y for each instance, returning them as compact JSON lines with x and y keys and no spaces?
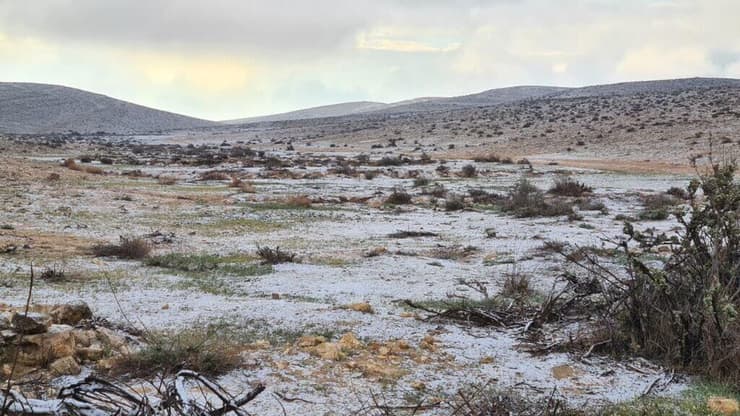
{"x":363,"y":307}
{"x":33,"y":323}
{"x":70,"y":313}
{"x":65,"y":366}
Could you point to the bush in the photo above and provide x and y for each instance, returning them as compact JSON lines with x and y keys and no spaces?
{"x":127,"y":248}
{"x":205,"y":351}
{"x":398,"y":197}
{"x":214,"y":176}
{"x":421,"y":181}
{"x":469,"y":171}
{"x":490,"y":157}
{"x":657,"y":207}
{"x":565,"y":185}
{"x":454,"y":203}
{"x":685,"y":310}
{"x":275,"y":256}
{"x":526,"y":200}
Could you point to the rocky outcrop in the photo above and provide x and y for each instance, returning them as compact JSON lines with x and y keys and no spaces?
{"x":55,"y":339}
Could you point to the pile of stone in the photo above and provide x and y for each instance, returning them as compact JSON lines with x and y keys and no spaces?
{"x":54,"y":339}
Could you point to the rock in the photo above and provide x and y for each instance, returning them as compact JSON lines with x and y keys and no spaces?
{"x":65,"y":366}
{"x":349,"y":342}
{"x":39,"y":349}
{"x":428,"y":343}
{"x":418,"y":386}
{"x":33,"y":323}
{"x":563,"y":371}
{"x":363,"y":307}
{"x":110,"y":338}
{"x":275,"y":296}
{"x":93,"y":352}
{"x":260,"y":344}
{"x":308,"y":341}
{"x":723,"y":405}
{"x":71,"y":313}
{"x":84,"y":337}
{"x":329,"y":351}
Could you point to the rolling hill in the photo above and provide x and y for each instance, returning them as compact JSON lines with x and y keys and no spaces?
{"x":44,"y":108}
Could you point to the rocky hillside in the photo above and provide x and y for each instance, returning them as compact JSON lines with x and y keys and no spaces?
{"x":43,"y":108}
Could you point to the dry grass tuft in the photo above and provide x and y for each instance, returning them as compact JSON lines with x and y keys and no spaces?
{"x":127,"y":248}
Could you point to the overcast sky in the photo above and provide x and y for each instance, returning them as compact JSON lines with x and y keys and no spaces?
{"x":222,"y":59}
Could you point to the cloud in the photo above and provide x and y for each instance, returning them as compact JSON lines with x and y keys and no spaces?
{"x":235,"y":58}
{"x":651,"y":62}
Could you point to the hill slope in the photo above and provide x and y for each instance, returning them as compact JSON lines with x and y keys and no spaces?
{"x":44,"y":108}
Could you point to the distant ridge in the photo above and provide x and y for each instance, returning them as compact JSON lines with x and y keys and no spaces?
{"x":498,"y":96}
{"x":45,"y":108}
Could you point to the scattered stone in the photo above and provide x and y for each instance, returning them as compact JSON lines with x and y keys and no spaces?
{"x":363,"y":307}
{"x":32,"y":323}
{"x":563,"y":371}
{"x":308,"y":341}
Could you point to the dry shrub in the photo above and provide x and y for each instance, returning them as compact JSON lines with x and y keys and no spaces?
{"x":489,"y":157}
{"x":166,"y":180}
{"x":398,"y":197}
{"x":526,"y":200}
{"x":516,"y":286}
{"x":94,"y":170}
{"x":685,"y":311}
{"x":214,"y":175}
{"x":469,"y":171}
{"x":247,"y":188}
{"x":204,"y":351}
{"x":565,"y":185}
{"x":127,"y":248}
{"x":300,"y":201}
{"x":71,"y":164}
{"x":454,"y":203}
{"x":275,"y":256}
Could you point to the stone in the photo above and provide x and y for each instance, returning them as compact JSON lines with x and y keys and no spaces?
{"x":93,"y":352}
{"x":308,"y":341}
{"x":329,"y":351}
{"x":723,"y":405}
{"x":84,"y":337}
{"x":33,"y":323}
{"x":563,"y":371}
{"x":349,"y":342}
{"x":39,"y":349}
{"x":70,"y":313}
{"x":363,"y":307}
{"x":65,"y":366}
{"x":110,"y":338}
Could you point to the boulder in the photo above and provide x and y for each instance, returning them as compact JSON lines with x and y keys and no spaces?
{"x":65,"y":366}
{"x":70,"y":313}
{"x":33,"y":323}
{"x":39,"y":349}
{"x":93,"y":352}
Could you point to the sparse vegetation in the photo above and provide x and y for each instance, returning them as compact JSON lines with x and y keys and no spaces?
{"x":133,"y":248}
{"x":276,"y":255}
{"x":398,"y":197}
{"x":565,"y":185}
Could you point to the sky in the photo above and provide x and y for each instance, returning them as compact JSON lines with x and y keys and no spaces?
{"x":225,"y":59}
